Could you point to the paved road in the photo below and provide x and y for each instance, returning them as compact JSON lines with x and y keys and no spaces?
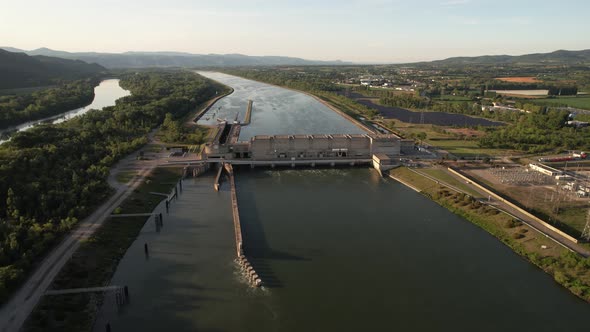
{"x":532,"y":222}
{"x":14,"y":313}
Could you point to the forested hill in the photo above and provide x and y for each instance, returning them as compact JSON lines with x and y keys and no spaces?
{"x":561,"y":57}
{"x":19,"y":70}
{"x":177,"y":59}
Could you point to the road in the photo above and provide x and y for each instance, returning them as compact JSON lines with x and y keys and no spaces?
{"x":528,"y":220}
{"x":14,"y":313}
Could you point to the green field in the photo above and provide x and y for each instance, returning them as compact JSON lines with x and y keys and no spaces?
{"x":452,"y":98}
{"x":445,"y":177}
{"x":577,"y":102}
{"x":466,"y":148}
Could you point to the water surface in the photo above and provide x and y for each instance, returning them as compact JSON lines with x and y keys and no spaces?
{"x":276,"y":111}
{"x":105,"y":94}
{"x":338,"y":250}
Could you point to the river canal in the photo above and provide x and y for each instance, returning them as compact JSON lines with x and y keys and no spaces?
{"x":338,"y":250}
{"x":105,"y":94}
{"x":276,"y":111}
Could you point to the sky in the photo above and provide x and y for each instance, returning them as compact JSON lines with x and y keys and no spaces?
{"x":366,"y":31}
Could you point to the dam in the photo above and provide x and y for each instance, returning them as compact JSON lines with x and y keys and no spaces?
{"x":336,"y":249}
{"x":307,"y":150}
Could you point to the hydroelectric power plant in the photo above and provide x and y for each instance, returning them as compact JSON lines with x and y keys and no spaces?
{"x":333,"y":248}
{"x":305,"y":150}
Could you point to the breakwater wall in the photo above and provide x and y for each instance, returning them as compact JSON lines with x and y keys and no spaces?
{"x":248,"y":115}
{"x":217,"y":181}
{"x":246,"y":267}
{"x":210,"y":104}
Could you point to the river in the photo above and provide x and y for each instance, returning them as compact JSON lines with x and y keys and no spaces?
{"x":276,"y":111}
{"x":338,"y":250}
{"x":105,"y":94}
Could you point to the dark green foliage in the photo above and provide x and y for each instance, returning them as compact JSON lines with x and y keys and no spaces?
{"x":537,"y":132}
{"x":53,"y":175}
{"x":404,"y":100}
{"x":16,"y":109}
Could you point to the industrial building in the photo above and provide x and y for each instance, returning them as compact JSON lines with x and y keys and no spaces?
{"x":550,"y":171}
{"x":305,"y":149}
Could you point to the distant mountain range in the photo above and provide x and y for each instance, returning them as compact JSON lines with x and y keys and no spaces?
{"x":561,"y":57}
{"x":19,"y":70}
{"x":174,"y":59}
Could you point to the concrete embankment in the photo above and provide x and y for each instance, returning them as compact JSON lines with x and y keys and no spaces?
{"x":210,"y":104}
{"x":242,"y":260}
{"x":344,"y":115}
{"x":404,"y":183}
{"x":217,"y":181}
{"x":248,"y":115}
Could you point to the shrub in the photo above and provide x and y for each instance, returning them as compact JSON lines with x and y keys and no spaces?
{"x":517,"y":236}
{"x":511,"y":223}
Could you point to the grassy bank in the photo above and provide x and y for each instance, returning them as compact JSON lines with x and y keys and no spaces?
{"x":568,"y":269}
{"x":95,"y":262}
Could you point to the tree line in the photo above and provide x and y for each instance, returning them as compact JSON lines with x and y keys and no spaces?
{"x":17,"y":109}
{"x":54,"y":175}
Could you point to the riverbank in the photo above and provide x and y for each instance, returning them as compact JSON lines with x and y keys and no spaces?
{"x":95,"y":95}
{"x":76,"y":173}
{"x":96,"y":260}
{"x":192,"y":119}
{"x":568,"y":269}
{"x":50,"y":102}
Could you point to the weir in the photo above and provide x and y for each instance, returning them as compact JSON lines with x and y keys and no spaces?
{"x":245,"y":265}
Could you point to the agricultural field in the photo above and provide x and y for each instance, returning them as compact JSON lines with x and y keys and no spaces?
{"x":525,"y":93}
{"x":519,"y":79}
{"x":460,"y":142}
{"x":444,"y":176}
{"x":452,"y":98}
{"x":467,"y":148}
{"x":582,"y":102}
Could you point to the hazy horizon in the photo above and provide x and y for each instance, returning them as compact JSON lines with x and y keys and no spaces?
{"x":370,"y":31}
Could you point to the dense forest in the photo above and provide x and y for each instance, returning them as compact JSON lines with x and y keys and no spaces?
{"x":20,"y":108}
{"x":53,"y":175}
